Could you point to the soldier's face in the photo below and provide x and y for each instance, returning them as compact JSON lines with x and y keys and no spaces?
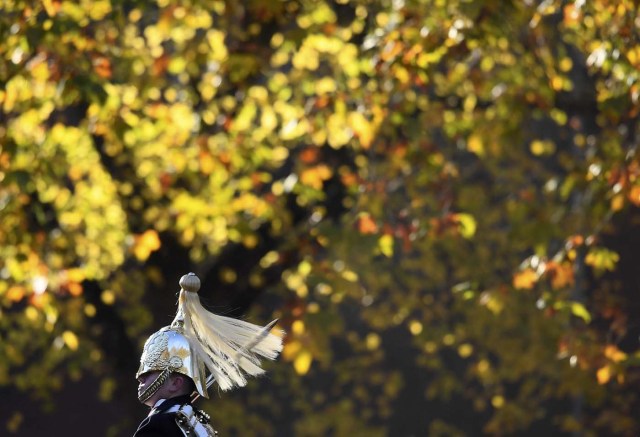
{"x":144,"y":381}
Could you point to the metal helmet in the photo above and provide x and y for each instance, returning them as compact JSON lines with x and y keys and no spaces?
{"x":168,"y":351}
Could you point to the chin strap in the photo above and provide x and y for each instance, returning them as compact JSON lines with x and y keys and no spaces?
{"x":154,"y":386}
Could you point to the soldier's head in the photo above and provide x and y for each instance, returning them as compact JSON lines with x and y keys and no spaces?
{"x":176,"y":384}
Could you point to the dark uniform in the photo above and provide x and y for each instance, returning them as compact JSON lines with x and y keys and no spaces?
{"x":166,"y":419}
{"x":159,"y":422}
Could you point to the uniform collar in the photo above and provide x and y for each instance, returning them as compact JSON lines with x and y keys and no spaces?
{"x":164,"y":404}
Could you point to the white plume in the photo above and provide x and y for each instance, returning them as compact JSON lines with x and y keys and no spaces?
{"x":228,"y":347}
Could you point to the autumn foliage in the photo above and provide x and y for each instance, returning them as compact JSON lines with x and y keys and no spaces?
{"x":438,"y":199}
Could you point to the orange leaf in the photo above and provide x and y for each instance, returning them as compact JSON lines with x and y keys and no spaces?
{"x":614,"y":354}
{"x":160,"y":65}
{"x":102,"y":67}
{"x":634,"y":195}
{"x":15,"y":293}
{"x":75,"y":289}
{"x":561,"y":274}
{"x":572,"y":15}
{"x":315,"y":176}
{"x":145,"y":244}
{"x":575,"y":240}
{"x":525,"y":279}
{"x":366,"y":225}
{"x":309,"y":155}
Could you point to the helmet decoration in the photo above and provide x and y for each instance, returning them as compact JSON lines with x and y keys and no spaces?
{"x":199,"y":342}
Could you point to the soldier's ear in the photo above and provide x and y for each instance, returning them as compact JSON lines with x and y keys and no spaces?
{"x":177,"y":382}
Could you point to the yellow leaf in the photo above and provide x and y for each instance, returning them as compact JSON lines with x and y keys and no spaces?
{"x":297,"y":327}
{"x":557,"y":82}
{"x":51,"y":7}
{"x":385,"y":244}
{"x":71,"y":340}
{"x":565,"y":64}
{"x":362,"y":128}
{"x":475,"y":145}
{"x":350,"y":275}
{"x":207,"y":164}
{"x":75,"y":274}
{"x":302,"y":363}
{"x":497,"y":401}
{"x":415,"y":327}
{"x":99,"y":9}
{"x":108,"y":297}
{"x":603,"y":374}
{"x":492,"y":301}
{"x":483,"y":366}
{"x":338,"y":134}
{"x":291,"y":349}
{"x":465,"y":350}
{"x":525,"y":279}
{"x":467,"y":224}
{"x":268,"y":119}
{"x":617,"y":202}
{"x":372,"y":341}
{"x":540,"y":147}
{"x":31,"y":313}
{"x":602,"y":259}
{"x":325,"y":85}
{"x":577,"y":309}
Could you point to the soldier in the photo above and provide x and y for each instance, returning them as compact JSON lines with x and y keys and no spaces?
{"x":177,"y":358}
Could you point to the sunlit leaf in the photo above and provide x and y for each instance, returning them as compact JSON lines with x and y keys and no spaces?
{"x":385,"y":244}
{"x":302,"y":362}
{"x":467,"y":223}
{"x":145,"y":244}
{"x":525,"y":279}
{"x":366,"y":224}
{"x":602,"y":259}
{"x":315,"y":176}
{"x":579,"y":310}
{"x":603,"y":374}
{"x":71,"y":340}
{"x":614,"y":354}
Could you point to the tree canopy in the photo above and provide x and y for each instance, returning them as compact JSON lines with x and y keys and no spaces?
{"x":439,"y":199}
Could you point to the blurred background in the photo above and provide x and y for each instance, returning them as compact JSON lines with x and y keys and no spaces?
{"x":438,"y":199}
